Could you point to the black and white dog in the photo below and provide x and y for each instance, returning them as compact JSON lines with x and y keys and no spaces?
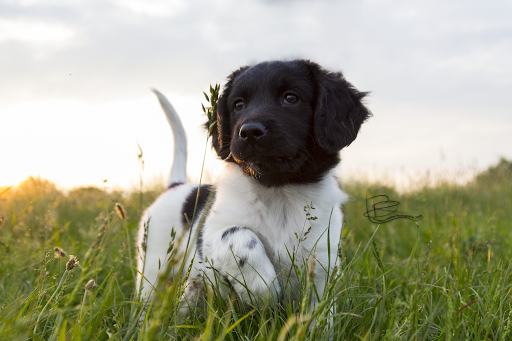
{"x":280,"y":128}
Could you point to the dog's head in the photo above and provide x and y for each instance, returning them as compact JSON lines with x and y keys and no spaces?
{"x":285,"y":122}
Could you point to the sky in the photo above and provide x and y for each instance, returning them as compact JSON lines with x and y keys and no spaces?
{"x":75,"y":79}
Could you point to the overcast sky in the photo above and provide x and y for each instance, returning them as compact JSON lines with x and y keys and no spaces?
{"x":75,"y":79}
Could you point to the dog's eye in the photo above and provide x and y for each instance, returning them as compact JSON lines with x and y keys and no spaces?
{"x":239,"y":105}
{"x":290,"y":98}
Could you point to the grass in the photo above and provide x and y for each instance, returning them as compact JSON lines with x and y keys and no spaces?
{"x":448,"y":279}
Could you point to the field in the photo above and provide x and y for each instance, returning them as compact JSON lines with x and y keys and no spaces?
{"x":447,"y":278}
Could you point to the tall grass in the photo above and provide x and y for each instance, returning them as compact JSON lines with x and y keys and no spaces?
{"x":447,"y":279}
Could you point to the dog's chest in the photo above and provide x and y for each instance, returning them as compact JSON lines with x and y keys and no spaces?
{"x":285,"y":219}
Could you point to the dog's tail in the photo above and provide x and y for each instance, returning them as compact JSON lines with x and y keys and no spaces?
{"x":179,"y":163}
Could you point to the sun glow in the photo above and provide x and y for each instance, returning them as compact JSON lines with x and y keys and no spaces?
{"x":78,"y":144}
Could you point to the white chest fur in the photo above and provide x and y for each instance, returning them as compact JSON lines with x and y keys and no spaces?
{"x":279,"y":216}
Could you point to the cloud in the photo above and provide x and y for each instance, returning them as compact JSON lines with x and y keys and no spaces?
{"x":430,"y":65}
{"x":26,"y":30}
{"x":153,"y":8}
{"x":417,"y":50}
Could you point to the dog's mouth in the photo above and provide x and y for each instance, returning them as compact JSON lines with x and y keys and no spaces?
{"x":270,"y":164}
{"x":276,"y":159}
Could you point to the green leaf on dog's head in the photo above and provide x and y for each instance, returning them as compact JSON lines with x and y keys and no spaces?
{"x":211,"y":110}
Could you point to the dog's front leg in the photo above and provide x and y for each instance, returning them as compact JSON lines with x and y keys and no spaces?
{"x":237,"y":255}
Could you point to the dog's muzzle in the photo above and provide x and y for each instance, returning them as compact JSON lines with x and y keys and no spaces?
{"x":251,"y":132}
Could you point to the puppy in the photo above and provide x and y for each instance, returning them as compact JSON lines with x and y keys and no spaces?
{"x":280,"y":128}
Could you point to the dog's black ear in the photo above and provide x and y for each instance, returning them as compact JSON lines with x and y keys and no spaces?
{"x":221,"y":137}
{"x":339,"y":112}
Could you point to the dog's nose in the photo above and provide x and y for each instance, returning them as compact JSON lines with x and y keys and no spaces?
{"x":251,"y":132}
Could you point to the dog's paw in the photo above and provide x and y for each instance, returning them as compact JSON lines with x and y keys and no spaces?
{"x":238,"y":255}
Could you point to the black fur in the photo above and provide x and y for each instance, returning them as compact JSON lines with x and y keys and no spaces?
{"x":174,"y":184}
{"x":229,"y":232}
{"x":188,"y":208}
{"x":252,"y":243}
{"x":302,"y":139}
{"x":190,"y":202}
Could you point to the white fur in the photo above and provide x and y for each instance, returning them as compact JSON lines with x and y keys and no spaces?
{"x":161,"y":217}
{"x":276,"y":215}
{"x":179,"y":165}
{"x":271,"y":216}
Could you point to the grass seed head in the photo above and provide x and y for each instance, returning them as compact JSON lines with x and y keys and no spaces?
{"x":72,"y":262}
{"x":311,"y":272}
{"x":90,"y":285}
{"x":120,"y":211}
{"x":60,"y":253}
